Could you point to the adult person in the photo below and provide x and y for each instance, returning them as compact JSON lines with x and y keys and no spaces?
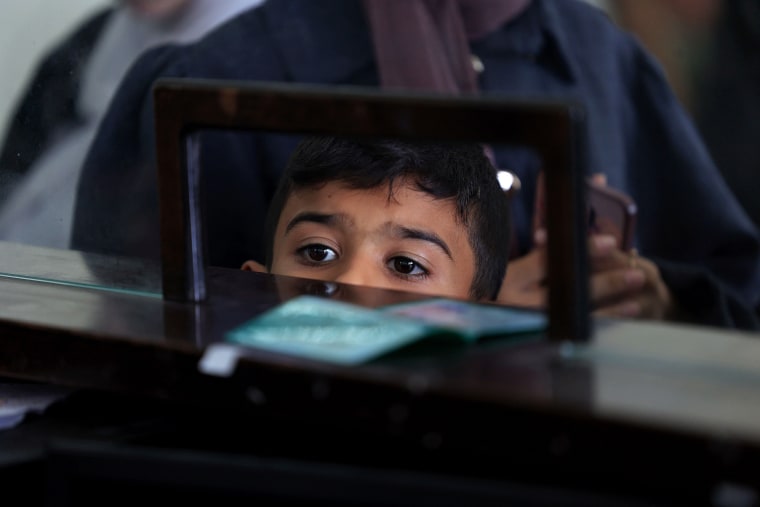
{"x":699,"y":253}
{"x":58,"y":116}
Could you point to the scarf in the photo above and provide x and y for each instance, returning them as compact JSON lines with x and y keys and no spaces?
{"x":424,"y":44}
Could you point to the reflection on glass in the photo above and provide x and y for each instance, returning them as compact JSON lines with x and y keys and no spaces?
{"x":79,"y":269}
{"x":39,"y":167}
{"x":369,"y":297}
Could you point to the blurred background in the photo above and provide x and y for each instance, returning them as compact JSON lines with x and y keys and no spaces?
{"x":28,"y":29}
{"x":708,"y":50}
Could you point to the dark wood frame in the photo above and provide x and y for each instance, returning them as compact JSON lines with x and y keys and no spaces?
{"x":183,"y":107}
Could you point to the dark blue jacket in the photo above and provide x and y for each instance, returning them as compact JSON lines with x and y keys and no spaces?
{"x":639,"y":136}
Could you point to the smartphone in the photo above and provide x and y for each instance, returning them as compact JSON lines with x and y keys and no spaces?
{"x":611,"y":212}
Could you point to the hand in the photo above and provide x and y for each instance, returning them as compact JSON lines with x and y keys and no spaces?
{"x":619,"y":286}
{"x":525,"y":281}
{"x":626,"y":285}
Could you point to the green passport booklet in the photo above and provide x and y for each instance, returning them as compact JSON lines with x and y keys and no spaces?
{"x":471,"y":321}
{"x":338,"y":332}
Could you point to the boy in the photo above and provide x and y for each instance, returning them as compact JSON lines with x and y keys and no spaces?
{"x":419,"y":217}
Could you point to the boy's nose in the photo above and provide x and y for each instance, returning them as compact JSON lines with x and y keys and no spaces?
{"x":354,"y":277}
{"x":358,"y":274}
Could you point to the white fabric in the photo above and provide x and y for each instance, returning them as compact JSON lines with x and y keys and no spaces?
{"x":40,"y":210}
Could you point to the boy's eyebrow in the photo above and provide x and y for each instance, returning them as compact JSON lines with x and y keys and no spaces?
{"x":314,"y":217}
{"x":409,"y":233}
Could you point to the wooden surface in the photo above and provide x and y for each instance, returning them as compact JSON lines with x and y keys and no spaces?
{"x":668,"y":396}
{"x":687,"y":376}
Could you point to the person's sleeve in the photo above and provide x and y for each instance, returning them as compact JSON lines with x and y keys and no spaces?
{"x":690,"y":224}
{"x":117,"y":195}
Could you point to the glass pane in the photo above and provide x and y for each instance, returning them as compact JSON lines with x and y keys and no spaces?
{"x":426,"y":217}
{"x":68,"y":59}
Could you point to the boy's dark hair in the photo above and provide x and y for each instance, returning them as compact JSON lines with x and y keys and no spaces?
{"x":457,"y":171}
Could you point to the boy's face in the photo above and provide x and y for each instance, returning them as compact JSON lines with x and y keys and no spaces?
{"x":411,"y":242}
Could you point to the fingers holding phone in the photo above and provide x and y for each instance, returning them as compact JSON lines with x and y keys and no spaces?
{"x":631,"y":288}
{"x":623,"y":284}
{"x":611,"y":212}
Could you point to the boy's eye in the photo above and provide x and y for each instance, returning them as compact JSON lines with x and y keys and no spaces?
{"x":318,"y":253}
{"x":406,"y":266}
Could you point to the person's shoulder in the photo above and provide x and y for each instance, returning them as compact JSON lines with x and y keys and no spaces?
{"x":93,"y":25}
{"x":580,"y":14}
{"x":211,"y":56}
{"x":281,"y":40}
{"x":299,"y":40}
{"x":79,"y":42}
{"x":582,"y":24}
{"x":233,"y":50}
{"x":594,"y":42}
{"x":600,"y":38}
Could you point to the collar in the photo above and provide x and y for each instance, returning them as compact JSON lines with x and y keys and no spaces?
{"x":327,"y":42}
{"x":555,"y":28}
{"x":538,"y":34}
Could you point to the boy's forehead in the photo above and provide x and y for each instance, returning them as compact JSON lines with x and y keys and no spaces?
{"x":386,"y":198}
{"x":403,"y":204}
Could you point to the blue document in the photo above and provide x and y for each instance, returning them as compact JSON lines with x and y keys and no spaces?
{"x":328,"y":330}
{"x":471,"y":320}
{"x":338,"y":332}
